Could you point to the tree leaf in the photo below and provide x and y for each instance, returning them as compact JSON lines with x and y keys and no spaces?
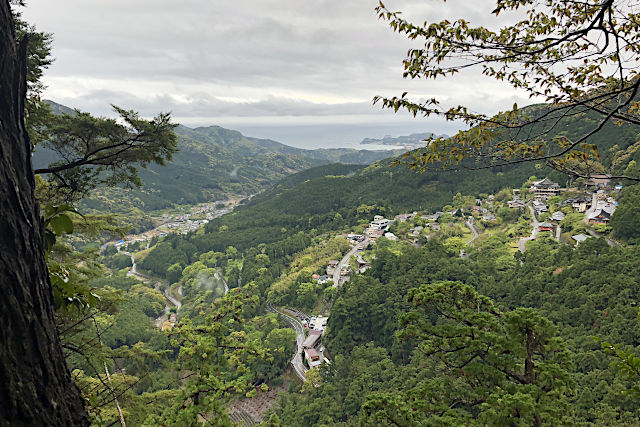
{"x":61,"y":224}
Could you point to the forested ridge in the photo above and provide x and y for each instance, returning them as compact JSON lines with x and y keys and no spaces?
{"x":211,"y":163}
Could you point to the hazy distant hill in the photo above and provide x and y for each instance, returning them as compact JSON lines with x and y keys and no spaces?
{"x":414,"y":140}
{"x":214,"y":161}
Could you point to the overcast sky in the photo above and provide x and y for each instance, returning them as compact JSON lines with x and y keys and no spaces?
{"x":302,"y":71}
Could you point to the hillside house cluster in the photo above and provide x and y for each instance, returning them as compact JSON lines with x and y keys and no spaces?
{"x":378,"y":227}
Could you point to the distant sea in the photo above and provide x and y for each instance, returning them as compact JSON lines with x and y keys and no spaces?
{"x":330,"y":136}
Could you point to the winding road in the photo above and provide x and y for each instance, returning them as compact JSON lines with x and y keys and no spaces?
{"x":610,"y":242}
{"x":522,"y":243}
{"x":170,"y":299}
{"x":298,"y":366}
{"x":469,"y":224}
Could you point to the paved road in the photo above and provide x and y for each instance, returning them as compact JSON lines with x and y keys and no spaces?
{"x":594,"y":204}
{"x":171,"y":299}
{"x":469,"y":224}
{"x":345,"y":260}
{"x":611,"y":243}
{"x":296,"y":361}
{"x":522,"y":243}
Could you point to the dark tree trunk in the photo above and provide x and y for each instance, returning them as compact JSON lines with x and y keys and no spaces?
{"x":35,"y":384}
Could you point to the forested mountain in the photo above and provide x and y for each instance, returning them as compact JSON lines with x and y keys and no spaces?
{"x":213,"y":162}
{"x":331,"y":198}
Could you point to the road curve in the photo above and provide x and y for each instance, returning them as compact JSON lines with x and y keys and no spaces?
{"x":171,"y":299}
{"x":522,"y":243}
{"x":296,"y":361}
{"x":469,"y":224}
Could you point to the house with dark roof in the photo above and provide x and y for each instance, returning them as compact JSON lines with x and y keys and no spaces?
{"x":516,"y":203}
{"x":540,"y":207}
{"x":544,"y":189}
{"x":599,"y":216}
{"x":598,"y":180}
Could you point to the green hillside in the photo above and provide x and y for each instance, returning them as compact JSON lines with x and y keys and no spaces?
{"x":337,"y":197}
{"x":211,"y":163}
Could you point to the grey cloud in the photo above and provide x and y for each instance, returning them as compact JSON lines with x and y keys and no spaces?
{"x":151,"y":55}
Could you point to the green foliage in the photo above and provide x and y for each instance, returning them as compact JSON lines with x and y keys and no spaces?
{"x":118,"y":261}
{"x":97,"y":151}
{"x":117,"y":281}
{"x":221,"y":353}
{"x":174,"y":273}
{"x":511,"y":364}
{"x":536,"y":50}
{"x":626,"y":219}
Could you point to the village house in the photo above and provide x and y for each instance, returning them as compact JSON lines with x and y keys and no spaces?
{"x":581,"y":203}
{"x":489,"y":217}
{"x":540,"y":207}
{"x":312,"y":357}
{"x":374,"y":234}
{"x":313,"y":339}
{"x":579,"y":238}
{"x":364,"y":267}
{"x":355,"y":238}
{"x":600,"y":216}
{"x":558,"y":216}
{"x":323,"y":279}
{"x":415,"y":232}
{"x":391,"y":236}
{"x":516,"y":203}
{"x":405,"y":217}
{"x":434,"y":226}
{"x":379,"y":223}
{"x":544,"y":189}
{"x":598,"y":180}
{"x":433,"y":217}
{"x":545,"y":226}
